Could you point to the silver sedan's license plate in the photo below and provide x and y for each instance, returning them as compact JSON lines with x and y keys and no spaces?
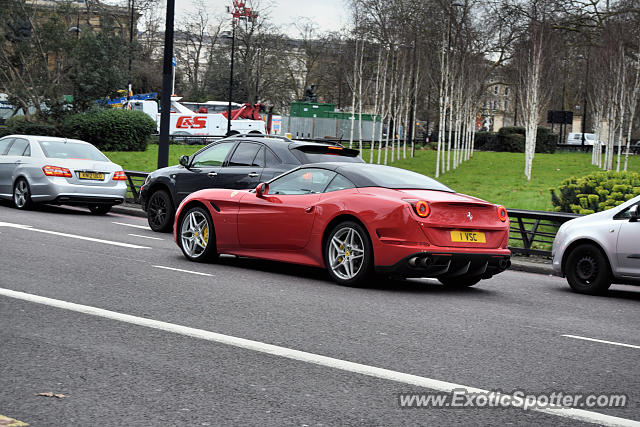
{"x":96,"y":176}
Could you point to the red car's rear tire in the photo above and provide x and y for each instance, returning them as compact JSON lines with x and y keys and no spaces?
{"x":349,"y":254}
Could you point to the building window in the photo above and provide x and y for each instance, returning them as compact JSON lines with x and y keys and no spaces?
{"x":496,"y":89}
{"x":506,"y":91}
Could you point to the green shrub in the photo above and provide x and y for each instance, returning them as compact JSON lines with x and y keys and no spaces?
{"x":111,"y":129}
{"x":484,"y":140}
{"x":19,"y":125}
{"x":4,"y":131}
{"x":512,"y":139}
{"x":596,"y":192}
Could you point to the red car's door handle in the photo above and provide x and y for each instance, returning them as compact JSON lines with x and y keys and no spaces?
{"x":309,"y":209}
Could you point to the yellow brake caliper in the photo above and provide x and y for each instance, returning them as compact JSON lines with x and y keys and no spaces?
{"x":205,"y":234}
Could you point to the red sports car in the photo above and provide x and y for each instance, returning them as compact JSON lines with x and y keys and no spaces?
{"x":354,"y":219}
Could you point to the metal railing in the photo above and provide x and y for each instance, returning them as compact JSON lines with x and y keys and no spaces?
{"x":135,"y":179}
{"x":533,"y":231}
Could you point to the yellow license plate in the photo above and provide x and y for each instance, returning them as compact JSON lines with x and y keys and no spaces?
{"x":91,"y":175}
{"x":468,"y":236}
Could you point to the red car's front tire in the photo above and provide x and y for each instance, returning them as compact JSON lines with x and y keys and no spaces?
{"x":196,"y":235}
{"x":349,"y":254}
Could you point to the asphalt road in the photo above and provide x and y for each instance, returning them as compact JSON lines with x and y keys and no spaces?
{"x":507,"y":334}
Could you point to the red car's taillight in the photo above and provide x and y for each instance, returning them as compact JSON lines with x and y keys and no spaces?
{"x":502,"y":213}
{"x":119,"y":176}
{"x":420,"y":207}
{"x":56,"y":171}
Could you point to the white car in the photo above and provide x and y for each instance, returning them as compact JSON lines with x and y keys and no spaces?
{"x":576,"y":138}
{"x":44,"y":169}
{"x":597,"y":250}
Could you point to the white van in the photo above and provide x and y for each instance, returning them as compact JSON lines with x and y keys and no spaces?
{"x":576,"y":138}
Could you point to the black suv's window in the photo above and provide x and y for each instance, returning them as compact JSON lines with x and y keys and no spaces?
{"x":4,"y":145}
{"x":214,"y":155}
{"x":302,"y":181}
{"x":339,"y":183}
{"x":272,"y":160}
{"x":18,"y":148}
{"x":245,"y":155}
{"x":259,"y":160}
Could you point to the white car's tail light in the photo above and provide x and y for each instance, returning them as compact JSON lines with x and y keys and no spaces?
{"x":119,"y":176}
{"x":56,"y":171}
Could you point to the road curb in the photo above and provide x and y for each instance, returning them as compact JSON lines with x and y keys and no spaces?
{"x":129,"y":209}
{"x":532,"y":267}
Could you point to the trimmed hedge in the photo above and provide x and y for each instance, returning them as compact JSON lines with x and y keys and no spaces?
{"x":111,"y":129}
{"x":512,"y":139}
{"x":596,"y":192}
{"x":19,"y":125}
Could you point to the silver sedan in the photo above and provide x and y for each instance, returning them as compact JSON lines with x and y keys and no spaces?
{"x":44,"y":169}
{"x":597,"y":250}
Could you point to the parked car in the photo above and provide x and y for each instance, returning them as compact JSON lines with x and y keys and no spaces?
{"x":238,"y":162}
{"x":597,"y":250}
{"x":575,"y":138}
{"x":44,"y":169}
{"x":354,"y":219}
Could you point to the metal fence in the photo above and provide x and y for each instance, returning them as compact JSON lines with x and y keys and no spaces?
{"x":533,"y":231}
{"x":135,"y":180}
{"x":319,"y":128}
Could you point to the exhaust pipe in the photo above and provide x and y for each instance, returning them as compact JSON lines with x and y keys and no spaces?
{"x":426,"y":262}
{"x":503,"y":264}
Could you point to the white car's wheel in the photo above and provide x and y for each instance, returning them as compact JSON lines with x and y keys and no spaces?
{"x":22,"y":194}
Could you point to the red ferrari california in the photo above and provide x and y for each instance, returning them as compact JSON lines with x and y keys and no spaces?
{"x":355,"y":220}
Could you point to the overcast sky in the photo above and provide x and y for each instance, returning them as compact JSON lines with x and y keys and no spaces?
{"x":328,"y":15}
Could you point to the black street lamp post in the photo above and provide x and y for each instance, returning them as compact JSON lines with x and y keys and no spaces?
{"x":167,"y":69}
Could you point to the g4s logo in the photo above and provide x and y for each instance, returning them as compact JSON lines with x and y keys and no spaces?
{"x":188,"y":122}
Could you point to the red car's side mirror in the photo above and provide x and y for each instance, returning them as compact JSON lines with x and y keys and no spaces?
{"x":262,"y":189}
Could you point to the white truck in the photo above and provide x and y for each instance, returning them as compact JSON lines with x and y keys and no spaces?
{"x":186,"y":122}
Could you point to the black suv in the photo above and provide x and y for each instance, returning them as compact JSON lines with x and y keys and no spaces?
{"x":237,"y":162}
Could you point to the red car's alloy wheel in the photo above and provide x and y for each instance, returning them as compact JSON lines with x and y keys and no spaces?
{"x":349,"y":254}
{"x":196,"y":235}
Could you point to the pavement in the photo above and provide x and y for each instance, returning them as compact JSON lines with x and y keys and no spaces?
{"x":110,"y":315}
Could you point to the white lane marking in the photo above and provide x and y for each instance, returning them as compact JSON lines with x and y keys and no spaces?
{"x":73,"y":236}
{"x":145,"y":237}
{"x":303,"y":356}
{"x":182,"y":271}
{"x":621,"y":344}
{"x":143,"y":227}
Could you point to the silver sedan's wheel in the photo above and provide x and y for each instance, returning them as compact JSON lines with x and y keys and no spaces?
{"x":196,"y":236}
{"x":22,"y":194}
{"x":349,"y":254}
